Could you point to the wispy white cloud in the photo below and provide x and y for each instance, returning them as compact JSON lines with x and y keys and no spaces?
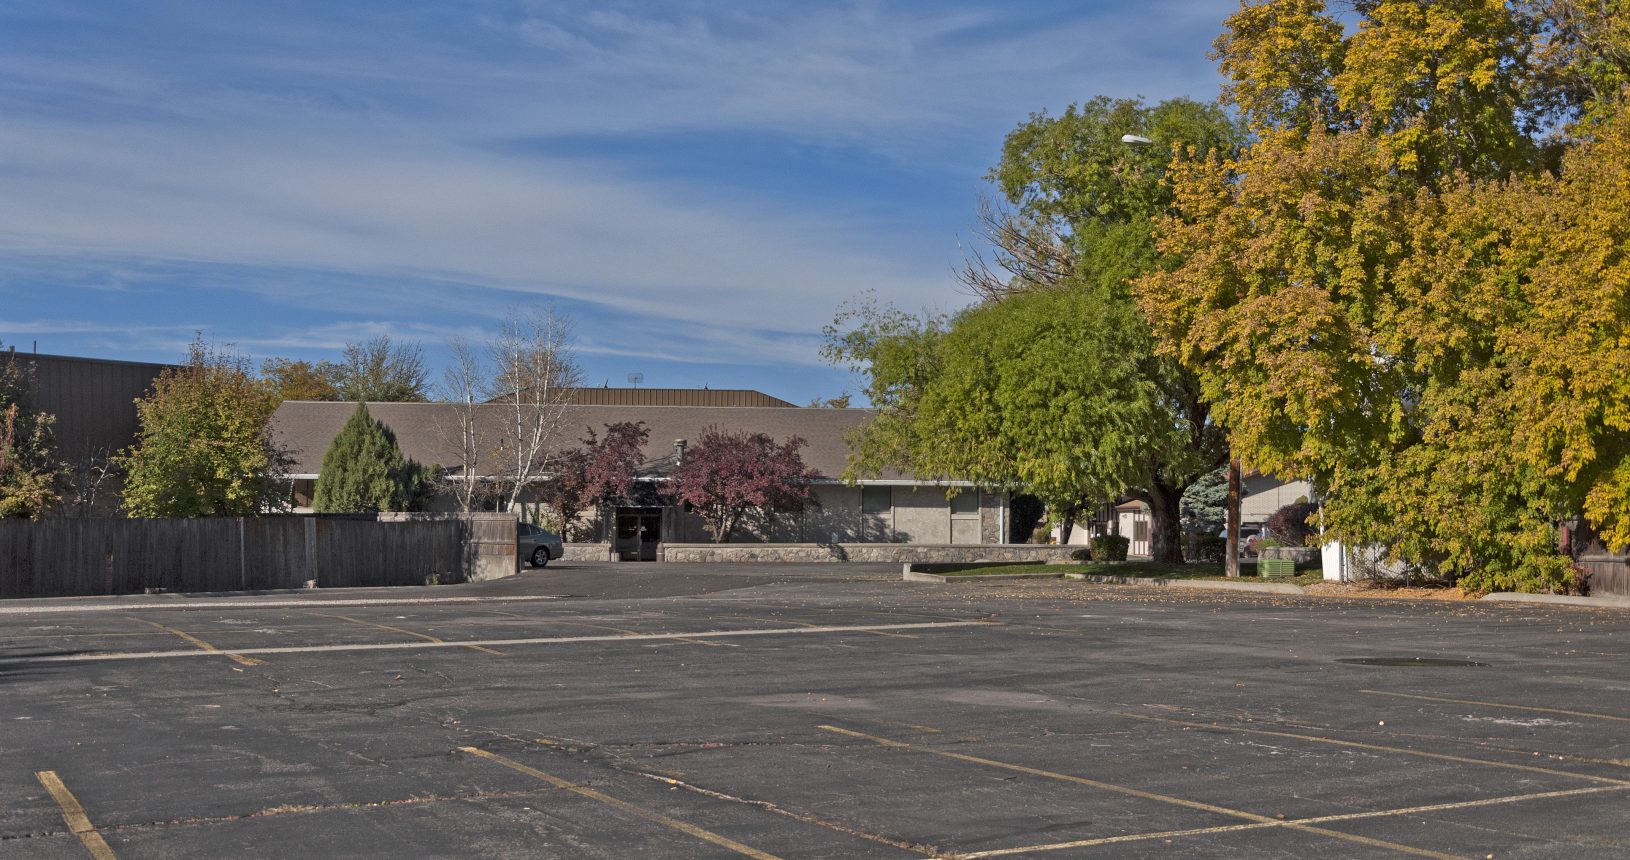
{"x":529,"y":228}
{"x":351,"y":143}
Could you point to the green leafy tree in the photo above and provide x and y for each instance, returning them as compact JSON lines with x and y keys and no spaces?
{"x":1052,"y":385}
{"x":1581,"y":61}
{"x":1045,"y":391}
{"x":30,"y":476}
{"x":205,"y":447}
{"x":364,"y":470}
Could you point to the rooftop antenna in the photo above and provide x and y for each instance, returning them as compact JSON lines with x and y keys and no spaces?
{"x":635,"y":379}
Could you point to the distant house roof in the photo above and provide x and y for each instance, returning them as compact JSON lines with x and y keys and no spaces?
{"x":671,"y":397}
{"x":429,"y":432}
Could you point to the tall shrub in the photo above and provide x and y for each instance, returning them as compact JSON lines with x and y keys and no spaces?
{"x":205,"y":447}
{"x":1291,"y":523}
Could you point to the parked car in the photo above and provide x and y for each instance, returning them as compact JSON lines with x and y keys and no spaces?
{"x":538,"y":545}
{"x":1250,"y":538}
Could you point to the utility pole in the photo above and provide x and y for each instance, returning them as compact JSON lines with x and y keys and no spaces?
{"x":1232,"y":552}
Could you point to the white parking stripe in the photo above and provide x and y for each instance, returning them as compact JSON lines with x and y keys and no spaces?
{"x":315,"y":602}
{"x":542,"y":640}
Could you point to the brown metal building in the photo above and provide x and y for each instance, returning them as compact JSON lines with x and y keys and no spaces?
{"x":93,"y":399}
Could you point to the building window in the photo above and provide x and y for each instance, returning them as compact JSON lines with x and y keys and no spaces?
{"x":875,"y":500}
{"x":965,"y":504}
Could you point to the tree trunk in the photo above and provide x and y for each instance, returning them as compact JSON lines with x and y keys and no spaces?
{"x":1165,"y":524}
{"x":1068,"y":525}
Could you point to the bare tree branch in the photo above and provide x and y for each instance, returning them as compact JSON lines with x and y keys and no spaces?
{"x":535,"y":369}
{"x":464,"y":383}
{"x":1027,"y":254}
{"x":84,"y":477}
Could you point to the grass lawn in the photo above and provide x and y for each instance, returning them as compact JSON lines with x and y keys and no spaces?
{"x":1128,"y":568}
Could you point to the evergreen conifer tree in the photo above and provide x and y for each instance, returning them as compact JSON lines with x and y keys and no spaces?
{"x":365,"y":471}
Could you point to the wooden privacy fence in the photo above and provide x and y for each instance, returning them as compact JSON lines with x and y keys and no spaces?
{"x":1609,"y":570}
{"x":1609,"y":573}
{"x":64,"y":558}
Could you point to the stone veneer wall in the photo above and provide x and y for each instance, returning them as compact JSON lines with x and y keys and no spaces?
{"x":892,"y":553}
{"x":991,"y":507}
{"x":589,"y":552}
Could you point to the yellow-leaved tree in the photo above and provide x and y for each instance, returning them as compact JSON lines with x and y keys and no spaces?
{"x":1387,"y":289}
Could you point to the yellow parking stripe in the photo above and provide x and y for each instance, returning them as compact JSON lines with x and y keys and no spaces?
{"x":625,"y":806}
{"x":1146,"y":795}
{"x":240,"y":659}
{"x":74,"y":815}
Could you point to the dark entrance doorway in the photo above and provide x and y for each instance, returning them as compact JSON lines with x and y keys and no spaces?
{"x":638,"y":531}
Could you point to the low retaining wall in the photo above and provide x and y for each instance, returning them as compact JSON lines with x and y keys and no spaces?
{"x":884,"y":553}
{"x":911,"y":575}
{"x":589,"y":552}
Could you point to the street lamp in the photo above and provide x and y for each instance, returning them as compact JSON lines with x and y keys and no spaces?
{"x":1135,"y":138}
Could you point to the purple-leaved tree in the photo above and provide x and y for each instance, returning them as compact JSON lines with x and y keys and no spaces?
{"x":613,"y":462}
{"x":725,"y":473}
{"x":600,"y":472}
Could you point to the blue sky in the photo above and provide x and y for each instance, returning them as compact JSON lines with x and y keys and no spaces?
{"x":697,"y":184}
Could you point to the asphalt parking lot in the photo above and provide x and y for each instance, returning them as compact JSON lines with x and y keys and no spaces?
{"x":686,"y":711}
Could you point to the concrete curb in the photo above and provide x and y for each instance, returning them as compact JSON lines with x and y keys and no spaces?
{"x":1212,"y":584}
{"x":1111,"y":579}
{"x":1215,"y":585}
{"x":919,"y":576}
{"x":1560,"y":599}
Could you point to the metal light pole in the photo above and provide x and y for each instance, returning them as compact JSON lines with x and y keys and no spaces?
{"x":1232,"y":568}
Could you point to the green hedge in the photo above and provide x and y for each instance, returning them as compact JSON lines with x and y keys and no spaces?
{"x":1110,"y":547}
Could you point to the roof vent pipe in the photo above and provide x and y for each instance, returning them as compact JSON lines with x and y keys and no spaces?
{"x":679,"y":450}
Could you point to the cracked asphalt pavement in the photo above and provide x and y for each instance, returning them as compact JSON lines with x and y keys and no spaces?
{"x":820,"y":711}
